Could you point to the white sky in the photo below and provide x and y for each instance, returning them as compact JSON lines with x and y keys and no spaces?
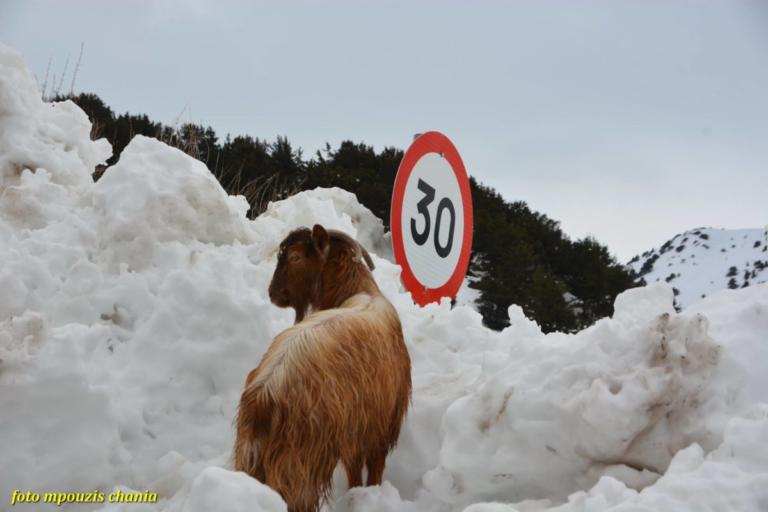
{"x":628,"y":121}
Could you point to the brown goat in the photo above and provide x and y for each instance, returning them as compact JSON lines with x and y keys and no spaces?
{"x":333,"y":387}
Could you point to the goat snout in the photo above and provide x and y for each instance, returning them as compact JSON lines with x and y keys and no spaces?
{"x":279,"y":296}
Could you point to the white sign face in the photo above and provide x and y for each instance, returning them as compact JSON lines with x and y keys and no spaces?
{"x":432,"y":220}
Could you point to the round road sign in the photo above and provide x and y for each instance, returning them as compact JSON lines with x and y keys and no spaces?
{"x":431,"y":218}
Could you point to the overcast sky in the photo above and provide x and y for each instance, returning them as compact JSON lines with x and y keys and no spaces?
{"x":627,"y":121}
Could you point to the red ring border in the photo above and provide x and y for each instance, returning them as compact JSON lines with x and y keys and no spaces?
{"x":431,"y":142}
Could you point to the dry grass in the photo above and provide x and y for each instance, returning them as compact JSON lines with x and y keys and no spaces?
{"x":260,"y":191}
{"x":56,"y":85}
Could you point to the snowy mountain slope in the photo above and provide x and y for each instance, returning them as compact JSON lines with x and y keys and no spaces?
{"x":702,"y":261}
{"x":131,"y":310}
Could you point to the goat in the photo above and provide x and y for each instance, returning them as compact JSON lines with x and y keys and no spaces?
{"x":333,"y":387}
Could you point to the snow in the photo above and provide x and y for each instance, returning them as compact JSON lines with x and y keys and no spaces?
{"x":181,"y":201}
{"x":34,"y":134}
{"x":133,"y":308}
{"x":219,"y":489}
{"x":702,"y":261}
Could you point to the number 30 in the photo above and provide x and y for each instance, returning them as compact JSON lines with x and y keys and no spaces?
{"x":421,"y":206}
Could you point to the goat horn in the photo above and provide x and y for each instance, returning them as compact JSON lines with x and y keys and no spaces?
{"x":367,"y":258}
{"x":361,"y":252}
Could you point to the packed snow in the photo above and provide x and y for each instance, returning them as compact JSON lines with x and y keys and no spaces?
{"x":132,"y":309}
{"x":702,"y":261}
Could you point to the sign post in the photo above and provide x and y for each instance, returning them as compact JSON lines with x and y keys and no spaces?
{"x":431,"y":218}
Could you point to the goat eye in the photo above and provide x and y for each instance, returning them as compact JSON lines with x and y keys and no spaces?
{"x":293,"y":258}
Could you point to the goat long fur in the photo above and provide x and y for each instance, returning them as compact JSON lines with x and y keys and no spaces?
{"x":333,"y":387}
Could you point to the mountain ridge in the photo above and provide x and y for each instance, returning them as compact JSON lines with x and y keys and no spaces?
{"x":701,"y":261}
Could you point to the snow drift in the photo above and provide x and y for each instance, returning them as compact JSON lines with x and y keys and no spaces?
{"x":132,"y":309}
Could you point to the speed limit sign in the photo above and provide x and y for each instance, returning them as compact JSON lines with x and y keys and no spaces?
{"x":431,"y":218}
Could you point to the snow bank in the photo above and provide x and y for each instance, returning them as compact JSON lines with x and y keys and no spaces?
{"x":528,"y":430}
{"x":222,"y":490}
{"x":175,"y":197}
{"x":340,"y":209}
{"x":36,"y":135}
{"x":133,"y":308}
{"x":732,"y":477}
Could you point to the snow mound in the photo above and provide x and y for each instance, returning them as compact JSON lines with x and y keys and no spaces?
{"x":35,"y":135}
{"x":156,"y":193}
{"x":721,"y":480}
{"x":225,"y":491}
{"x":528,"y":431}
{"x":133,"y":308}
{"x":342,"y":211}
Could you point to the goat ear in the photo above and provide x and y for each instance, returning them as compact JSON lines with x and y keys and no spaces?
{"x":320,"y":240}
